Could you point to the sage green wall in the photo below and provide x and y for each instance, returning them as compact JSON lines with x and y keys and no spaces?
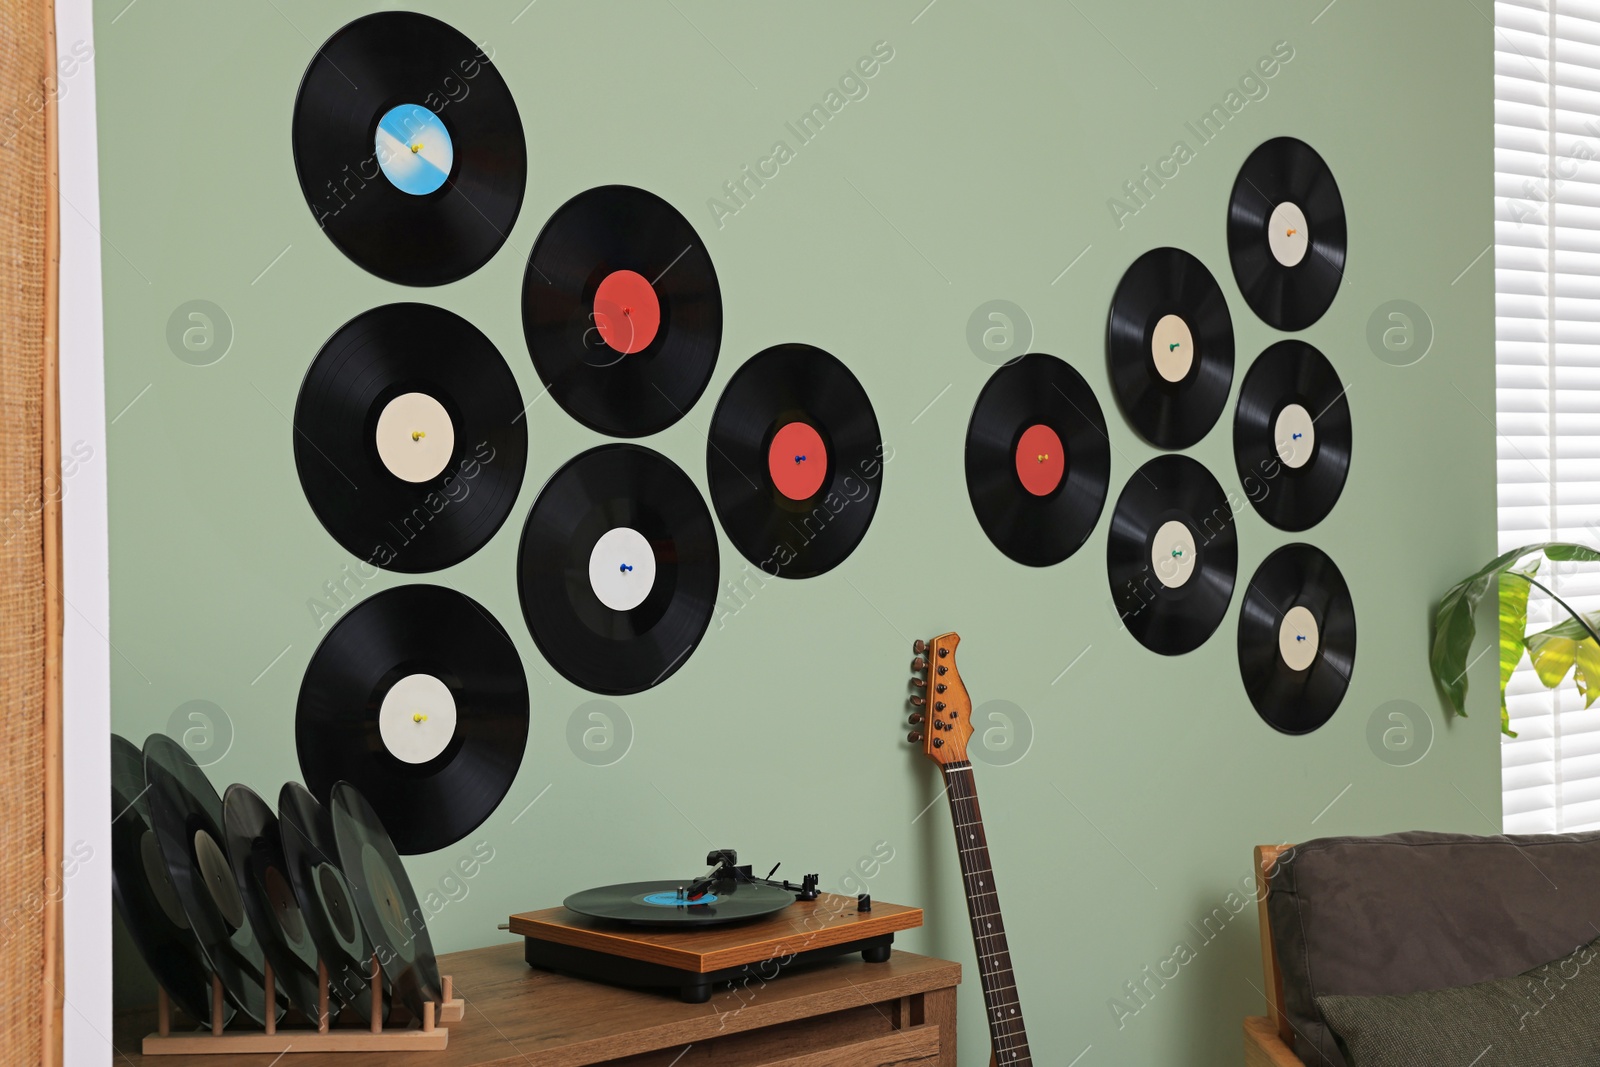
{"x":978,"y":166}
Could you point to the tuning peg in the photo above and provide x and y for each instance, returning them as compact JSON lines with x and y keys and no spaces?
{"x":919,"y":646}
{"x":920,"y":683}
{"x":916,"y":698}
{"x":915,"y":737}
{"x":916,"y":718}
{"x":919,"y":664}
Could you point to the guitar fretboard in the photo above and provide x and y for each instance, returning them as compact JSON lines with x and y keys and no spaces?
{"x":1006,"y":1032}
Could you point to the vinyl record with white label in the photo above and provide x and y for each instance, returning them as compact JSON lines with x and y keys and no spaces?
{"x":1172,"y":554}
{"x":409,"y":148}
{"x":1286,"y":233}
{"x":795,"y":461}
{"x":618,"y":569}
{"x":1297,"y":639}
{"x":417,"y":697}
{"x":1291,"y":435}
{"x":409,"y":437}
{"x":1169,"y":342}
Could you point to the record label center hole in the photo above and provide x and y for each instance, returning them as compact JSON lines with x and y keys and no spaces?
{"x":218,"y":875}
{"x":1172,"y":554}
{"x":797,"y":461}
{"x":1297,"y":638}
{"x":155,"y":872}
{"x":414,"y":149}
{"x":336,"y":905}
{"x":1295,"y":435}
{"x":415,"y":437}
{"x":386,"y":897}
{"x":281,"y":896}
{"x":417,"y":718}
{"x":1287,"y":236}
{"x":622,"y":568}
{"x":1172,"y":348}
{"x":627,"y":312}
{"x":1041,"y":460}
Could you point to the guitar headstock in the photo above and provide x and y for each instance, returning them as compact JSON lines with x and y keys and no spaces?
{"x":941,"y":709}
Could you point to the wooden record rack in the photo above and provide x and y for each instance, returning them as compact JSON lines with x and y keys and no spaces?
{"x":216,"y":1041}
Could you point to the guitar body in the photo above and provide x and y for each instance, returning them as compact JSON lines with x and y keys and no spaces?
{"x":942,"y":713}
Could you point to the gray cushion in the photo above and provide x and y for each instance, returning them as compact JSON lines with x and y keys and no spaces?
{"x":1417,"y":911}
{"x":1547,"y":1017}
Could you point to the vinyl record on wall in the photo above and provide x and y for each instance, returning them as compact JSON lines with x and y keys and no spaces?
{"x":1286,"y":233}
{"x":621,"y":310}
{"x":1172,"y":554}
{"x":618,"y":569}
{"x":1291,"y":435}
{"x":795,"y":461}
{"x":142,"y":887}
{"x":1038,"y":460}
{"x":409,"y":437}
{"x":418,"y":698}
{"x":187,"y":817}
{"x":409,"y":148}
{"x":1169,"y":341}
{"x":1297,"y":639}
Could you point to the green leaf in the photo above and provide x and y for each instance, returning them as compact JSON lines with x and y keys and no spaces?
{"x":1513,"y":628}
{"x":1552,"y":658}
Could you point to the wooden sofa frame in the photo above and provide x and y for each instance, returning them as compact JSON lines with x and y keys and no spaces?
{"x":1269,"y":1038}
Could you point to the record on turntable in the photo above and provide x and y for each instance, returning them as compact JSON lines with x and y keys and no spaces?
{"x":1286,"y":233}
{"x":795,"y":461}
{"x":1169,"y":343}
{"x":1297,"y":639}
{"x":621,"y":310}
{"x":142,"y":887}
{"x":1172,"y":554}
{"x":418,"y":698}
{"x":327,"y":902}
{"x":667,"y":903}
{"x":409,"y":437}
{"x":255,"y":851}
{"x":384,"y":900}
{"x":618,"y":569}
{"x":1291,"y":435}
{"x":188,"y":820}
{"x":1038,"y":460}
{"x":409,"y":148}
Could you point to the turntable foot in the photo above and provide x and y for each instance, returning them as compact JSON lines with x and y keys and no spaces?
{"x":876,"y":954}
{"x":695,"y":994}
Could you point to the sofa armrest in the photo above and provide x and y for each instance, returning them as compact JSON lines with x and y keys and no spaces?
{"x":1263,"y":1047}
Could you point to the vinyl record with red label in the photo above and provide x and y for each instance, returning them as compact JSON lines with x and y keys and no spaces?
{"x":618,"y":569}
{"x":1297,"y":639}
{"x":1038,"y":460}
{"x":1169,"y":340}
{"x":416,"y":696}
{"x":410,"y":438}
{"x":1172,"y":554}
{"x":1291,"y":435}
{"x":621,"y":310}
{"x":409,"y":148}
{"x":1286,"y":233}
{"x":795,"y":461}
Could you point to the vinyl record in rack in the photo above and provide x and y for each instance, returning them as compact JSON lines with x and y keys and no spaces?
{"x":327,"y":902}
{"x":1038,"y":460}
{"x":142,"y":887}
{"x":255,"y":851}
{"x":658,"y":904}
{"x":409,"y":437}
{"x":418,"y":698}
{"x":621,"y":310}
{"x":1169,"y":341}
{"x":187,"y":815}
{"x":1286,"y":233}
{"x":1291,"y":435}
{"x":618,"y":569}
{"x":1172,"y":554}
{"x":409,"y":148}
{"x":1297,"y":639}
{"x":384,"y":899}
{"x":795,"y":461}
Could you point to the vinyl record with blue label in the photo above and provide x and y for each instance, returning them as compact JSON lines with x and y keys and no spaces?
{"x":1286,"y":233}
{"x":409,"y":148}
{"x":1297,"y":639}
{"x":662,"y":904}
{"x":1291,"y":435}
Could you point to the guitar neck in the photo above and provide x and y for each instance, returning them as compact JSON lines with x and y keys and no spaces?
{"x":1003,"y":1011}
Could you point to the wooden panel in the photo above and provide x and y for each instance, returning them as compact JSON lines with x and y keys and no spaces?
{"x":829,"y":920}
{"x":1266,"y":859}
{"x":909,"y":1048}
{"x":1263,"y":1047}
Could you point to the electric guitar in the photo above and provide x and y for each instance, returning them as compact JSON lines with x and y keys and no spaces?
{"x":942,"y":715}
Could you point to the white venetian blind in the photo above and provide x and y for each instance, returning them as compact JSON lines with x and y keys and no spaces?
{"x":1547,"y":344}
